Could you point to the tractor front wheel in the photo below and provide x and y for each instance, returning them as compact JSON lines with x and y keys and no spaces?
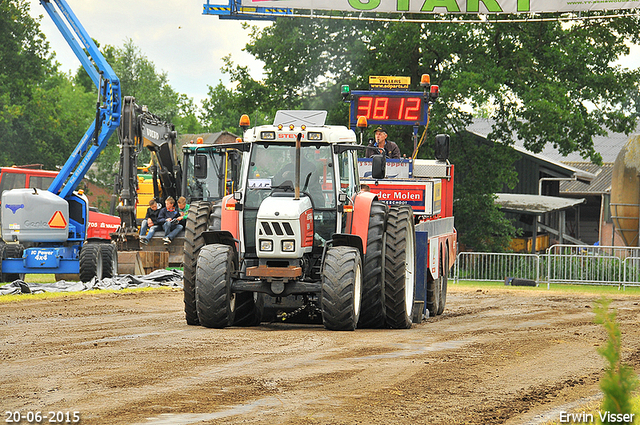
{"x":341,"y":288}
{"x":249,"y":309}
{"x":215,"y":303}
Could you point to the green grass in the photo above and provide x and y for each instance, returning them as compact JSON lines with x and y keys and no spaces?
{"x":40,"y":278}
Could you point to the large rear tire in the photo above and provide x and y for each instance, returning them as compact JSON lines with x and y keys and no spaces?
{"x":372,"y":314}
{"x":400,"y":267}
{"x":215,"y":303}
{"x":341,"y":288}
{"x":197,"y":223}
{"x":91,"y":264}
{"x":249,"y":309}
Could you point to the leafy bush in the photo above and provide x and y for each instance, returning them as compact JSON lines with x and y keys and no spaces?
{"x":619,"y":380}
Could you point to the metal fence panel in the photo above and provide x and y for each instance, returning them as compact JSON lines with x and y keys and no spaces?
{"x":590,"y":265}
{"x":574,"y":264}
{"x":496,"y":266}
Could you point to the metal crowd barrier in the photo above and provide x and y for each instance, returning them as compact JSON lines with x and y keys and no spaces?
{"x":488,"y":266}
{"x":570,"y":264}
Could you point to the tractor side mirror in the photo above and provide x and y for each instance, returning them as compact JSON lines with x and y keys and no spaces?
{"x":200,"y":167}
{"x":378,"y":166}
{"x":442,"y":147}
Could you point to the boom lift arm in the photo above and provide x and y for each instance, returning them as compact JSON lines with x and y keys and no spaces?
{"x":108,"y":107}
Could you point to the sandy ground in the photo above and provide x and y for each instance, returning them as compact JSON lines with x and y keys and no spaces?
{"x":495,"y":356}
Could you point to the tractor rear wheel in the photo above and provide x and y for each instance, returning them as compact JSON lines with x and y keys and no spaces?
{"x":91,"y":264}
{"x":197,"y":222}
{"x":400,"y":267}
{"x":372,"y":314}
{"x":341,"y":288}
{"x":249,"y":308}
{"x":215,"y":303}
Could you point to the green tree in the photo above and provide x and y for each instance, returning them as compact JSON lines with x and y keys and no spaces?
{"x":619,"y":379}
{"x":32,"y":108}
{"x":187,"y":121}
{"x":24,"y":51}
{"x":140,"y":78}
{"x":479,"y":221}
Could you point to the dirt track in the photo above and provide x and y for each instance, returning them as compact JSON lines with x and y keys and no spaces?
{"x":494,"y":356}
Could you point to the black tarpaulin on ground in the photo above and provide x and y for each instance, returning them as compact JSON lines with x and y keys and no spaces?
{"x":157,"y":278}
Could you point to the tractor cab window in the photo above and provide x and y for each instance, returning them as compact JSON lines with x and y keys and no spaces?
{"x":205,"y":173}
{"x":40,"y":182}
{"x":272,"y":167}
{"x":348,"y":170}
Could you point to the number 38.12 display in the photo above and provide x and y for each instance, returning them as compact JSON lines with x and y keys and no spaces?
{"x":390,"y":109}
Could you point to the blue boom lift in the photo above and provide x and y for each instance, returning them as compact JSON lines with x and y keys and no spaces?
{"x":52,"y":224}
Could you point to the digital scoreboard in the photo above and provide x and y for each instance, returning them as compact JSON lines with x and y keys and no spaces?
{"x":389,"y":107}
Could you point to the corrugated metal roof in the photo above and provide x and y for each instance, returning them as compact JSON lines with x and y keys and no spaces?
{"x":601,"y":184}
{"x":482,"y":127}
{"x":582,"y":175}
{"x":608,"y":146}
{"x":534,"y":204}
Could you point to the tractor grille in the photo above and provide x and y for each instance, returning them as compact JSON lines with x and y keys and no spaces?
{"x":270,"y":228}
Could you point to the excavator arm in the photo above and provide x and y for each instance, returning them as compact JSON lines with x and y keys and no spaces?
{"x":141,"y":129}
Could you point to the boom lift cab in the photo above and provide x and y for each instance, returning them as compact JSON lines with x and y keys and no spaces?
{"x":299,"y":225}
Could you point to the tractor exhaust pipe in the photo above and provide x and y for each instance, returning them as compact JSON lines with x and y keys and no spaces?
{"x":297,"y":167}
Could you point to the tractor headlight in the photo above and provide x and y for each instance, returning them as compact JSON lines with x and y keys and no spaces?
{"x":312,"y":135}
{"x":266,"y":245}
{"x":288,"y":246}
{"x":268,"y":135}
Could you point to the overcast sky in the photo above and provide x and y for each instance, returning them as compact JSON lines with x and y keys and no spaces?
{"x":174,"y":35}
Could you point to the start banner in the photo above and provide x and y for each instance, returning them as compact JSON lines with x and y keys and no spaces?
{"x":448,"y":6}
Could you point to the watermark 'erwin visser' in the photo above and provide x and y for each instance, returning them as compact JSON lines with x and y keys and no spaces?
{"x":567,"y":418}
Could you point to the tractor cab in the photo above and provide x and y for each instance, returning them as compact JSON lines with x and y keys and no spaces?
{"x":300,"y":174}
